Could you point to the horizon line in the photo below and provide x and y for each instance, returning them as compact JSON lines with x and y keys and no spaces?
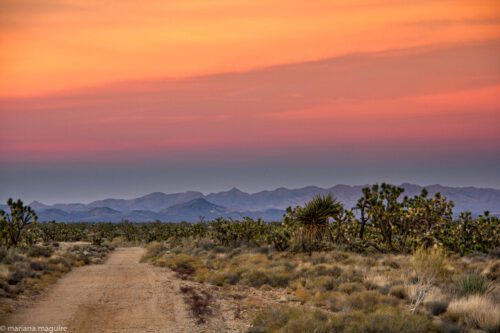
{"x":267,"y":190}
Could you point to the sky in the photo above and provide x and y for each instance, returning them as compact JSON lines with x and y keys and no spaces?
{"x":120,"y":98}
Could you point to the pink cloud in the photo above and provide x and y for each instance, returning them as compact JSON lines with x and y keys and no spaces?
{"x":441,"y":97}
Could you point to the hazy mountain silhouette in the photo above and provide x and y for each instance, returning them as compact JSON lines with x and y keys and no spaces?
{"x":269,"y":205}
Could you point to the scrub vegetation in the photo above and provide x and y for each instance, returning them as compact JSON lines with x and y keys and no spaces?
{"x":390,"y":264}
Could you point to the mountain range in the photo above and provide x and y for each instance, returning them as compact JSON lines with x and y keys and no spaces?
{"x":269,"y":205}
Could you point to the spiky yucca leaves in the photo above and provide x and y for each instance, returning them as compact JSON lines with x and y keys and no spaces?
{"x":313,"y":220}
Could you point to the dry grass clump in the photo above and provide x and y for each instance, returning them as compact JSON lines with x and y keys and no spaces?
{"x":475,"y":312}
{"x":351,"y":287}
{"x":183,"y":264}
{"x":275,"y":277}
{"x":368,"y":300}
{"x":324,"y":283}
{"x":154,"y":250}
{"x":429,"y":266}
{"x":323,"y":270}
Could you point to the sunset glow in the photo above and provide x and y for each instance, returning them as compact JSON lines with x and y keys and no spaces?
{"x":210,"y":83}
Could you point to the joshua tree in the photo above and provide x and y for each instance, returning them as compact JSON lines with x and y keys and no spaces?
{"x":313,"y":220}
{"x":13,"y":225}
{"x":421,"y":216}
{"x":363,"y":205}
{"x":380,"y":208}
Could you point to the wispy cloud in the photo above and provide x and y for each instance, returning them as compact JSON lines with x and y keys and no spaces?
{"x":444,"y":93}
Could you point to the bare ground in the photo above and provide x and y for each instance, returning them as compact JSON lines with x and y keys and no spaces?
{"x":122,"y":295}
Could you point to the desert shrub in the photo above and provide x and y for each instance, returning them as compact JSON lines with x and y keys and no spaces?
{"x":3,"y":253}
{"x":340,"y":257}
{"x":389,"y":320}
{"x":232,"y":277}
{"x":324,"y":283}
{"x":27,"y":271}
{"x":351,"y":274}
{"x":472,"y":283}
{"x":272,"y":277}
{"x":40,"y":251}
{"x":436,"y":307}
{"x":475,"y":312}
{"x":446,"y":326}
{"x":391,"y":263}
{"x":154,"y":250}
{"x":279,"y":277}
{"x":335,"y":301}
{"x":255,"y":259}
{"x":206,"y":244}
{"x":384,"y":320}
{"x":429,"y":268}
{"x":220,"y":278}
{"x":255,"y":278}
{"x":16,"y":276}
{"x":351,"y":287}
{"x":181,"y":263}
{"x":319,"y":270}
{"x":398,"y":291}
{"x":368,"y":300}
{"x":292,"y":320}
{"x":11,"y":255}
{"x":89,"y":254}
{"x":38,"y":266}
{"x":62,"y":261}
{"x":217,"y":279}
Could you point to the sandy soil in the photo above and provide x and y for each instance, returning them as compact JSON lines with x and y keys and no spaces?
{"x":121,"y":295}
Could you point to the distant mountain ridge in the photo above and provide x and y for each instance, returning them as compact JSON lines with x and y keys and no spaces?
{"x":269,"y":205}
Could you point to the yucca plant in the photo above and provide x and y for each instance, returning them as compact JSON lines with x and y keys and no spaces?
{"x":313,"y":220}
{"x":473,"y":283}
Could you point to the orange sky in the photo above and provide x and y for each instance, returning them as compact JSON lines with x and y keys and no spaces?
{"x":246,"y":84}
{"x":54,"y":45}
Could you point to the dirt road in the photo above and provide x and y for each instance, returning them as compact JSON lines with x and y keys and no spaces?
{"x":121,"y":295}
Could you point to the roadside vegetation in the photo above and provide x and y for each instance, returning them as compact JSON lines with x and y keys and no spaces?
{"x":28,"y":264}
{"x":343,"y":291}
{"x":390,"y":264}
